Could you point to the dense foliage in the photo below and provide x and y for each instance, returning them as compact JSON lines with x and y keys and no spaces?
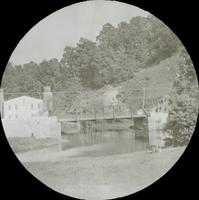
{"x":117,"y":55}
{"x":184,"y":111}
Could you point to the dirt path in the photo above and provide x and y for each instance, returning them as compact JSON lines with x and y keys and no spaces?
{"x":104,"y":177}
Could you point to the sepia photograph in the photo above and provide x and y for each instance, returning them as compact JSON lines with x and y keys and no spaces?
{"x":99,"y":100}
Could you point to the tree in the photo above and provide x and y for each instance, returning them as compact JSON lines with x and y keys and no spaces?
{"x":68,"y":62}
{"x":118,"y":53}
{"x":86,"y":54}
{"x":183,"y":115}
{"x":162,"y":41}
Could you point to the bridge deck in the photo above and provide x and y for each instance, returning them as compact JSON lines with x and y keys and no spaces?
{"x":92,"y":118}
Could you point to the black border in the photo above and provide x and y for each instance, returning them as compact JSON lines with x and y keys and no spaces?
{"x":18,"y":17}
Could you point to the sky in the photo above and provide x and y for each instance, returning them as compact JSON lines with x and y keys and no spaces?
{"x":47,"y":39}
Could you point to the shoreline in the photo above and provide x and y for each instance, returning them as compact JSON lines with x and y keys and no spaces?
{"x":56,"y":154}
{"x":104,"y":177}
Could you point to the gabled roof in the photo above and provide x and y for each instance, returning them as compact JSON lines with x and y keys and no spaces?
{"x":24,"y":97}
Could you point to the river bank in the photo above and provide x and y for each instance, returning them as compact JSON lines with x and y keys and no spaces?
{"x":102,"y":177}
{"x":27,"y":144}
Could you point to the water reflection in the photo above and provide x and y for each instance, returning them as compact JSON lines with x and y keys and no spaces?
{"x":112,"y":142}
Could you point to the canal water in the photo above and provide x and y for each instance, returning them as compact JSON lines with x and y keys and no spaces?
{"x":109,"y":142}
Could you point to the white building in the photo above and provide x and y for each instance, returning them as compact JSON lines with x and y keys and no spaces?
{"x":109,"y":97}
{"x":23,"y":107}
{"x":27,"y":116}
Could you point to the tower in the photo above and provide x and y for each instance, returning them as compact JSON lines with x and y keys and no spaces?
{"x":48,"y":100}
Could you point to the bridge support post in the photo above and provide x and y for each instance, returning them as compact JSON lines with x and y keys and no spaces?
{"x":113,"y":112}
{"x":131,"y":110}
{"x":144,"y":96}
{"x":141,"y":127}
{"x":95,"y":114}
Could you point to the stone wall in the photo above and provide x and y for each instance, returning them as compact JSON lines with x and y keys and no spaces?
{"x":157,"y":122}
{"x":39,"y":127}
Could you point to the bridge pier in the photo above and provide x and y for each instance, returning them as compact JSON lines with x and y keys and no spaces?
{"x":87,"y":128}
{"x":141,"y":127}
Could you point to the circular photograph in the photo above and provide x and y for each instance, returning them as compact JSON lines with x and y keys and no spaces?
{"x":99,"y":100}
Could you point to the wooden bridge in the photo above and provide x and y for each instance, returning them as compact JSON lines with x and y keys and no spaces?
{"x":90,"y":122}
{"x":113,"y":113}
{"x":87,"y":118}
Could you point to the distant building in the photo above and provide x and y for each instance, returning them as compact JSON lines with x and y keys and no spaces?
{"x":23,"y":107}
{"x":29,"y":117}
{"x":109,"y":97}
{"x":48,"y":100}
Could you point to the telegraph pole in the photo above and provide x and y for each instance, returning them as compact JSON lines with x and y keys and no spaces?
{"x":144,"y":96}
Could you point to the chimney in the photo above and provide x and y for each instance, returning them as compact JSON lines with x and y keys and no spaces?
{"x":1,"y":102}
{"x":48,"y":100}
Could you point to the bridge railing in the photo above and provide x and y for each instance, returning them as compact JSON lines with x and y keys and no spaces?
{"x":105,"y":112}
{"x":138,"y":99}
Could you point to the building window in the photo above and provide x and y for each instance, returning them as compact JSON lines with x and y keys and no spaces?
{"x":16,"y":116}
{"x":16,"y":107}
{"x":31,"y":106}
{"x":9,"y":116}
{"x":38,"y":106}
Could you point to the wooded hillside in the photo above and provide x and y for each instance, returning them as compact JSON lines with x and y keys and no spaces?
{"x":118,"y":55}
{"x":140,"y":53}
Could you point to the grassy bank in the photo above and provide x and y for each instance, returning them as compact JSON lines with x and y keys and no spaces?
{"x":104,"y":177}
{"x":25,"y":144}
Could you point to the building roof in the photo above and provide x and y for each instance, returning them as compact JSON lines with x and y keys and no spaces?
{"x":25,"y":98}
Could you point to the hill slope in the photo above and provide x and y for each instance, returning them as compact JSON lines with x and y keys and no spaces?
{"x":157,"y":80}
